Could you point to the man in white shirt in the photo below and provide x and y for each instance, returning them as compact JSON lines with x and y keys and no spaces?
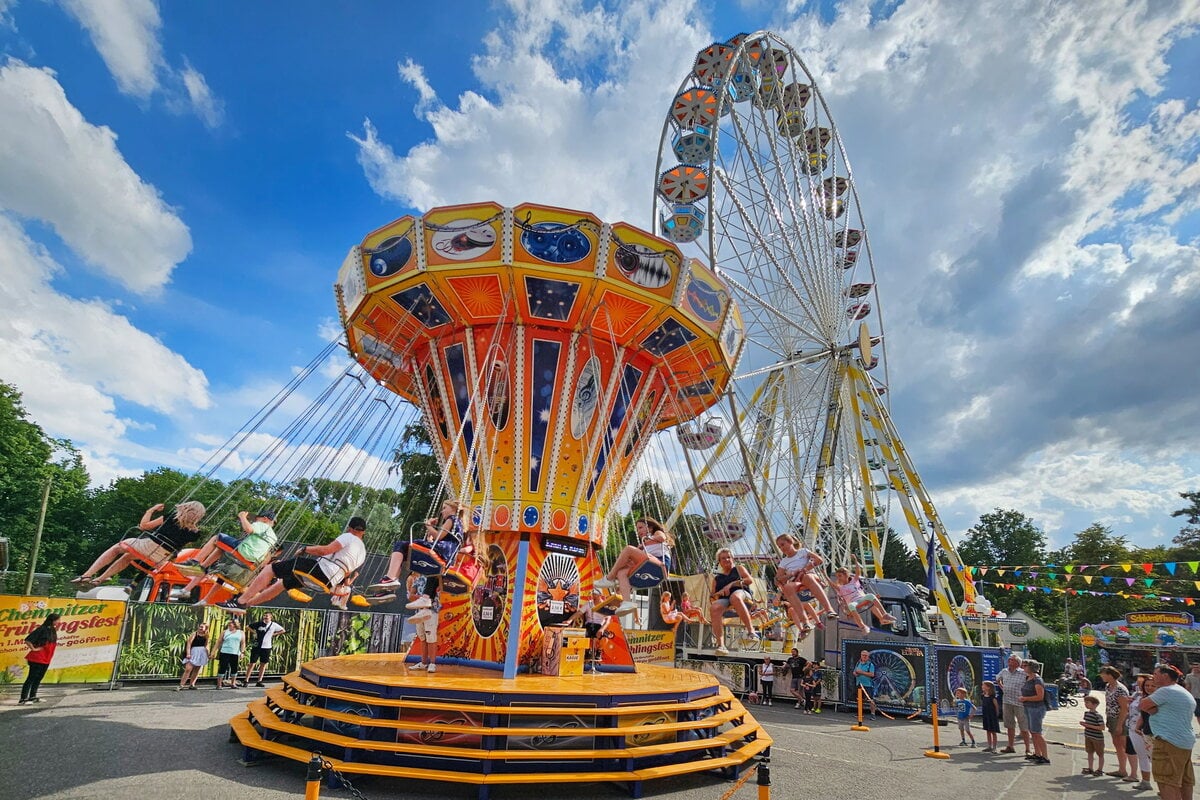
{"x":335,"y":563}
{"x":266,"y":630}
{"x":1011,"y":680}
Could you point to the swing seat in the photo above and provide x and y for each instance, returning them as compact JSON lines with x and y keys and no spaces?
{"x":232,"y":553}
{"x":362,"y":601}
{"x":299,"y":596}
{"x":138,"y":560}
{"x":647,"y":575}
{"x":314,"y":583}
{"x":461,"y":575}
{"x":424,"y":560}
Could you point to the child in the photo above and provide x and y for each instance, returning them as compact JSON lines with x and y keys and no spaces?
{"x":426,"y":618}
{"x":964,"y":709}
{"x":812,"y":691}
{"x":855,"y":598}
{"x":991,"y":712}
{"x":689,"y":611}
{"x":1093,"y":735}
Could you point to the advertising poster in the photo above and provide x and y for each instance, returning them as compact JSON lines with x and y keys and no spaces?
{"x":965,"y":667}
{"x":88,"y":634}
{"x":901,"y":673}
{"x":652,"y":647}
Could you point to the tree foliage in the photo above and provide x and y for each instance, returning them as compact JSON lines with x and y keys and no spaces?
{"x":28,"y":459}
{"x":1005,"y":537}
{"x":1188,"y":538}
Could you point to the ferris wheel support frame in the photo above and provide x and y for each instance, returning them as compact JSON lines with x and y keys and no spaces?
{"x":906,"y":483}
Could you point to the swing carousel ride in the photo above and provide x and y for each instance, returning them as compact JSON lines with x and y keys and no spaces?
{"x":555,"y":360}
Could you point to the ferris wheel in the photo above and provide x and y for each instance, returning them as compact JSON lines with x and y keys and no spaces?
{"x":753,"y":178}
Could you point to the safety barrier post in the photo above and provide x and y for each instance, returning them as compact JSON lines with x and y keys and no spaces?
{"x":312,"y":786}
{"x":936,"y":752}
{"x":859,"y":726}
{"x":764,"y":778}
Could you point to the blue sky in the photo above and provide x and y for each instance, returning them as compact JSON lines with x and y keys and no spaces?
{"x":179,"y":184}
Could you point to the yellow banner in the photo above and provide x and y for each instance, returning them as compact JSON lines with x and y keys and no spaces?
{"x":88,"y":634}
{"x":649,"y":647}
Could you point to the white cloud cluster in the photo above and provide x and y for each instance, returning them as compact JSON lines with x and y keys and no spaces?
{"x":561,"y":117}
{"x":1024,"y":180}
{"x":57,"y":167}
{"x":126,"y":34}
{"x":59,"y":352}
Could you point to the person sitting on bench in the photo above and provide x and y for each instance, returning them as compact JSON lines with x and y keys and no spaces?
{"x":331,"y":565}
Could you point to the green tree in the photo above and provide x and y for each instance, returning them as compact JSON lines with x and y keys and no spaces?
{"x":28,"y":458}
{"x":899,"y":561}
{"x":1003,"y":537}
{"x":1188,"y":538}
{"x":1095,"y":545}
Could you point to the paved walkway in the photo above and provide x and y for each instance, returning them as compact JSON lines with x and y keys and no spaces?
{"x":152,"y":742}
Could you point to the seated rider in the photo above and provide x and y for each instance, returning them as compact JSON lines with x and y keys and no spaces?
{"x":690,"y":612}
{"x":443,"y":535}
{"x":654,"y":546}
{"x":335,"y":564}
{"x":856,"y":599}
{"x":254,"y":546}
{"x":167,"y":534}
{"x":667,"y":610}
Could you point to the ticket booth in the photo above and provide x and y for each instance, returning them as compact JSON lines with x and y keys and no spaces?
{"x":563,"y":650}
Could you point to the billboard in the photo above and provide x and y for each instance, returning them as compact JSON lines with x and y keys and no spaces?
{"x":88,"y":634}
{"x":901,"y":673}
{"x":965,"y":667}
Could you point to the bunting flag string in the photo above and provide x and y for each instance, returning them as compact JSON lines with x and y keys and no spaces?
{"x":1148,"y":567}
{"x":1021,"y":587}
{"x":1068,"y":577}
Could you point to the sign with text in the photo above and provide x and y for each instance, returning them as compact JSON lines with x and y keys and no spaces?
{"x":651,"y":647}
{"x":88,"y":634}
{"x":1180,"y":618}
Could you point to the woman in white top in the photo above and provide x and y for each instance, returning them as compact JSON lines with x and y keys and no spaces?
{"x":795,"y":572}
{"x":655,"y":547}
{"x":766,"y":678}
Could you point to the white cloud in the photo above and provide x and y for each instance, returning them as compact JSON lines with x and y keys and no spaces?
{"x":543,"y":127}
{"x":57,"y":167}
{"x":59,"y":352}
{"x":125,"y":33}
{"x":208,"y":107}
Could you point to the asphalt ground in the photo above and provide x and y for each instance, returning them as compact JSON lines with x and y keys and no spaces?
{"x":150,"y":742}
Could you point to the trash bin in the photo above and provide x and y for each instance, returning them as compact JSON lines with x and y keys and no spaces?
{"x":1052,"y":693}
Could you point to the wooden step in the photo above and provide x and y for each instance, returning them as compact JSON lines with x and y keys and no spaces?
{"x":250,"y":738}
{"x":260,"y":713}
{"x":305,"y":686}
{"x":280,"y":698}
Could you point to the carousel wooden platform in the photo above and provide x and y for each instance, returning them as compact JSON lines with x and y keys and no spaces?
{"x":373,"y":715}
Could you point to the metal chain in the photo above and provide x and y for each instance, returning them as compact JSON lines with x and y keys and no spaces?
{"x":342,"y":779}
